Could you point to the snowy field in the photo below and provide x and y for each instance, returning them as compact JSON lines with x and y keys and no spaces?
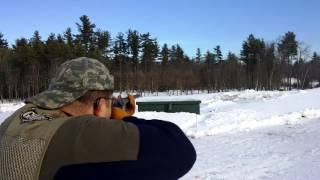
{"x":246,"y":134}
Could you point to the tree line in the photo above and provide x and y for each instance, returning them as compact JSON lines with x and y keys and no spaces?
{"x":138,"y":62}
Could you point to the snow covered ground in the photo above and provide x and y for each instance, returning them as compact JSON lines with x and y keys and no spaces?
{"x":246,"y":134}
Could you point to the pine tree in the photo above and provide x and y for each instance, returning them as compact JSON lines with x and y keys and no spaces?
{"x":56,"y":49}
{"x":22,"y":64}
{"x":198,"y":56}
{"x":133,"y":41}
{"x":269,"y":63}
{"x":208,"y":70}
{"x":37,"y":46}
{"x":86,"y":29}
{"x":4,"y":58}
{"x":217,"y":53}
{"x":150,"y":51}
{"x":288,"y":48}
{"x":55,"y":52}
{"x":52,"y":47}
{"x":40,"y":67}
{"x":164,"y":55}
{"x":3,"y":42}
{"x":103,"y":42}
{"x":68,"y":36}
{"x":172,"y":54}
{"x":232,"y":57}
{"x":180,"y":56}
{"x":251,"y":54}
{"x":120,"y":51}
{"x":209,"y":59}
{"x":120,"y":45}
{"x":69,"y":44}
{"x":315,"y":57}
{"x":231,"y":71}
{"x":60,"y":38}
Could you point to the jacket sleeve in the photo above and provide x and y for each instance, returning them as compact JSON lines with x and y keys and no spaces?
{"x":164,"y":148}
{"x":164,"y":153}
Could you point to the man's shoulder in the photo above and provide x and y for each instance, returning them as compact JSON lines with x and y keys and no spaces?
{"x":96,"y":123}
{"x":31,"y":113}
{"x":33,"y":122}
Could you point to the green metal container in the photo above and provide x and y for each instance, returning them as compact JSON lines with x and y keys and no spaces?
{"x":170,"y":106}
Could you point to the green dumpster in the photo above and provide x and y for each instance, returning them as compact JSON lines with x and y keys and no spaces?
{"x":170,"y":106}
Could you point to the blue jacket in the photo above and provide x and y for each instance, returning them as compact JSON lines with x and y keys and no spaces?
{"x":163,"y":152}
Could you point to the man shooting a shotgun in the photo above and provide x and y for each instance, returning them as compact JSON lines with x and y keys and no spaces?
{"x":72,"y":131}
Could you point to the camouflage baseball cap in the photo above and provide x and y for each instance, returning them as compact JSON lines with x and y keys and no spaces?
{"x":72,"y":80}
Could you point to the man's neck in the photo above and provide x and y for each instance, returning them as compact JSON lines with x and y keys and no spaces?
{"x":76,"y":109}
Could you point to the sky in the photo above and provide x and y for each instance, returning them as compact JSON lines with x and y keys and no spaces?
{"x":192,"y":24}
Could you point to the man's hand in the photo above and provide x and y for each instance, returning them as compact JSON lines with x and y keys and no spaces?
{"x":118,"y":113}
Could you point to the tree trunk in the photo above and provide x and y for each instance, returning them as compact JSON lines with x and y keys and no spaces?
{"x":304,"y":78}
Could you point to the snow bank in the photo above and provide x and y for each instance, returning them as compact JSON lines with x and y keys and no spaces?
{"x":6,"y":109}
{"x":232,"y":112}
{"x":246,"y":134}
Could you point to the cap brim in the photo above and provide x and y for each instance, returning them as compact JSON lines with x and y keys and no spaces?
{"x":53,"y":99}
